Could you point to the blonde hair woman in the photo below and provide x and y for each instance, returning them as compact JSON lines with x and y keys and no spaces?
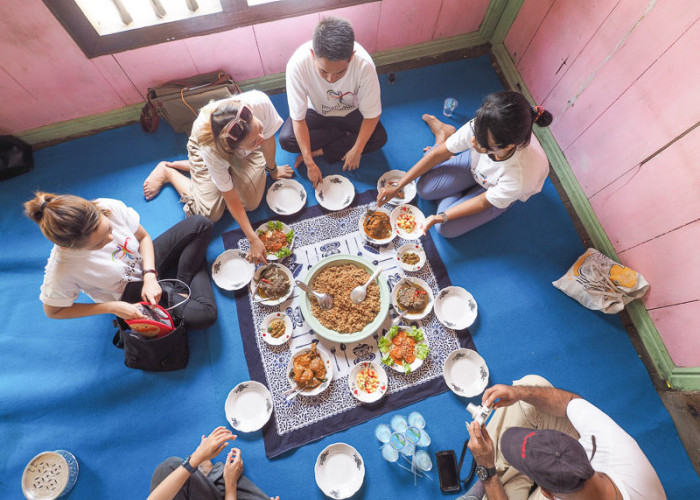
{"x":230,"y":150}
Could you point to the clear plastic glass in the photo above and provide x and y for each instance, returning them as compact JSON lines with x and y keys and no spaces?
{"x":398,"y":440}
{"x":383,"y":433}
{"x":424,"y":440}
{"x":422,"y":460}
{"x":413,"y":435}
{"x":449,"y":106}
{"x":398,"y":423}
{"x":389,"y":453}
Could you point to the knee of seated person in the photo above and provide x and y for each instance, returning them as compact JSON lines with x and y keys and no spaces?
{"x":447,"y":230}
{"x":205,"y":317}
{"x":421,"y":188}
{"x":203,"y":223}
{"x":168,"y":465}
{"x":533,"y":381}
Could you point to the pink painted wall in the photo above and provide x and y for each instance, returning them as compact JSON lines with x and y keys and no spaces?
{"x":621,"y":80}
{"x":45,"y":78}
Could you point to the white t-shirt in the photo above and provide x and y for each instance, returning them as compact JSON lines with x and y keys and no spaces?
{"x":617,"y":454}
{"x":516,"y":178}
{"x":357,"y":89}
{"x":102,"y":274}
{"x":262,"y":108}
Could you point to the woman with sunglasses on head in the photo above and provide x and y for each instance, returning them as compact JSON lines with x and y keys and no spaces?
{"x":478,"y":171}
{"x":230,"y":150}
{"x":101,"y":249}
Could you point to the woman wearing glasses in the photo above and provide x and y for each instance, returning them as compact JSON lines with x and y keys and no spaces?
{"x":230,"y":150}
{"x":478,"y":171}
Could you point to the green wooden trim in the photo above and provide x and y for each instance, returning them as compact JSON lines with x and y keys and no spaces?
{"x":676,"y":377}
{"x":505,"y":22}
{"x":492,"y":17}
{"x":426,"y":49}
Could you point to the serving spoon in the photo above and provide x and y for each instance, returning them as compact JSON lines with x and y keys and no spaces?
{"x":325,"y":301}
{"x":359,"y":293}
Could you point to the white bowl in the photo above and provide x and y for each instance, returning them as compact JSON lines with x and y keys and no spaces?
{"x":231,"y":270}
{"x":415,"y":248}
{"x":335,"y":192}
{"x":465,"y":373}
{"x":288,"y":327}
{"x":329,"y":371}
{"x":248,"y":406}
{"x":367,"y":237}
{"x":285,"y":229}
{"x":286,"y":197}
{"x":417,"y":363}
{"x":418,"y":217}
{"x":339,"y":471}
{"x":361,"y":394}
{"x":424,"y":286}
{"x":409,"y":189}
{"x":272,"y":302}
{"x":455,"y":308}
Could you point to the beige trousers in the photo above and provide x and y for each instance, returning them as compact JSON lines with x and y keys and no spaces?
{"x":204,"y":198}
{"x":521,"y":414}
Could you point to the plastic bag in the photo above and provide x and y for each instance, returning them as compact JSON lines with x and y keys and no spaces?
{"x":599,"y":283}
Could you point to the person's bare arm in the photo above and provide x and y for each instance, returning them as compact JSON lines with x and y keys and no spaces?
{"x":269,"y":150}
{"x":257,"y":247}
{"x":117,"y":307}
{"x":547,"y":399}
{"x":352,"y":157}
{"x":301,"y":132}
{"x":483,"y":451}
{"x":151,"y":290}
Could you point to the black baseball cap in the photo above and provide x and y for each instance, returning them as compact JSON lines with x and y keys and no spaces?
{"x":554,"y":460}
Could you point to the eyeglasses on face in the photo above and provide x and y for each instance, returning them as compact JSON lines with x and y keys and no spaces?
{"x":234,"y":130}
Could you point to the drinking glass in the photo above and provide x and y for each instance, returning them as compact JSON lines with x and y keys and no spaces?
{"x":389,"y":453}
{"x":397,"y":440}
{"x":383,"y":433}
{"x":398,"y":423}
{"x":424,"y":440}
{"x":408,"y":449}
{"x":413,"y":435}
{"x":449,"y":106}
{"x":415,"y":419}
{"x":422,"y":460}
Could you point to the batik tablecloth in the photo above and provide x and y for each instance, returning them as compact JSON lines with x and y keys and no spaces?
{"x":320,"y":234}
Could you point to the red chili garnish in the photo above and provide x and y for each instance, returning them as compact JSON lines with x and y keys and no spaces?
{"x":266,"y":281}
{"x":419,"y":292}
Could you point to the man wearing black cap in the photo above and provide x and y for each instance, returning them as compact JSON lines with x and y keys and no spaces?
{"x":550,"y":443}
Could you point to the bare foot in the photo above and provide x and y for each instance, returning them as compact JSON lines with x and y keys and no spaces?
{"x":155,"y":180}
{"x":440,"y":130}
{"x":300,"y":159}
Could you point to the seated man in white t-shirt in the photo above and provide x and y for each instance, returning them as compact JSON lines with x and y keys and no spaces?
{"x":334,"y":100}
{"x":558,"y":443}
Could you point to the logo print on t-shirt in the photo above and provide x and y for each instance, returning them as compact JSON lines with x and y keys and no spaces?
{"x":339,"y":101}
{"x":122,"y":251}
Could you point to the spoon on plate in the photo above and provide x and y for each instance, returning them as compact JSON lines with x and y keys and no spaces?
{"x":359,"y":293}
{"x":325,"y":301}
{"x":295,"y":393}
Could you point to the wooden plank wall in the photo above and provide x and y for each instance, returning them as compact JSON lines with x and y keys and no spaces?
{"x":620,"y":77}
{"x":46,"y":79}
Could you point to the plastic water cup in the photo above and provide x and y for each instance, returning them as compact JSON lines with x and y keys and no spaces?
{"x":422,"y":460}
{"x":389,"y":453}
{"x":413,"y":435}
{"x":424,"y":440}
{"x":383,"y":433}
{"x":397,"y":440}
{"x":415,"y":419}
{"x":398,"y":423}
{"x":409,"y":449}
{"x":449,"y":106}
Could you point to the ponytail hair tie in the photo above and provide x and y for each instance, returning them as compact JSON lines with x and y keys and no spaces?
{"x":538,"y":112}
{"x":43,"y":206}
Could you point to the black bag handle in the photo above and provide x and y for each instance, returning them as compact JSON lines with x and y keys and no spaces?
{"x":467,"y":480}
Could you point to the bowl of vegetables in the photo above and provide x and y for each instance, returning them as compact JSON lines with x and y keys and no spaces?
{"x":278,"y":239}
{"x":404,"y":348}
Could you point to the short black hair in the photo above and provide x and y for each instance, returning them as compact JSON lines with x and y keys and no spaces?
{"x":334,"y":39}
{"x":509,"y":117}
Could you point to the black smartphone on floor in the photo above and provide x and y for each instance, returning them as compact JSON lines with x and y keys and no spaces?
{"x":447,"y":471}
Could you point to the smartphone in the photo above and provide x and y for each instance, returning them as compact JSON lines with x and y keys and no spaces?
{"x":447,"y":471}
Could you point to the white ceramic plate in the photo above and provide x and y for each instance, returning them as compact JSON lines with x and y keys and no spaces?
{"x":361,"y":394}
{"x":271,"y":302}
{"x":285,"y":229}
{"x":231,"y":271}
{"x":286,"y":197}
{"x":415,"y":248}
{"x":329,"y":371}
{"x":409,"y":191}
{"x":417,"y":363}
{"x":248,"y":406}
{"x":465,"y":373}
{"x":287,"y":328}
{"x":367,"y":237}
{"x":335,"y":192}
{"x":424,"y":286}
{"x":412,"y":212}
{"x":49,"y":475}
{"x":339,"y":471}
{"x":455,"y":308}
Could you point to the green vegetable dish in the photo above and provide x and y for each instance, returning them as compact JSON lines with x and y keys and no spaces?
{"x":276,"y":241}
{"x":402,"y":346}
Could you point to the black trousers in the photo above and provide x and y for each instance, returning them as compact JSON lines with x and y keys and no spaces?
{"x":180,"y":252}
{"x":334,"y":134}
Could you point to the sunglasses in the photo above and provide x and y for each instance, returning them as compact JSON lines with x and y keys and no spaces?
{"x":234,"y":130}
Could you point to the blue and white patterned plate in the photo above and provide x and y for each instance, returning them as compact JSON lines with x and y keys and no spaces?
{"x":335,"y":192}
{"x":248,"y":406}
{"x":339,"y":471}
{"x":455,"y":308}
{"x":231,"y":271}
{"x":419,"y":282}
{"x":286,"y":197}
{"x":329,"y":371}
{"x":409,"y":191}
{"x":465,"y":373}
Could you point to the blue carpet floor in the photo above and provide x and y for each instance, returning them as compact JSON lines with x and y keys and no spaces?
{"x":64,"y":386}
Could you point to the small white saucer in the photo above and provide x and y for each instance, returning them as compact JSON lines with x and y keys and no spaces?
{"x":287,"y":328}
{"x":455,"y":308}
{"x":465,"y":373}
{"x":335,"y":192}
{"x":339,"y":471}
{"x":248,"y":406}
{"x":408,"y":211}
{"x":359,"y":393}
{"x":231,"y":270}
{"x":415,"y":248}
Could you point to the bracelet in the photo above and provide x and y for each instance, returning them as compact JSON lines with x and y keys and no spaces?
{"x":444,"y":217}
{"x":268,"y":169}
{"x":146,"y":271}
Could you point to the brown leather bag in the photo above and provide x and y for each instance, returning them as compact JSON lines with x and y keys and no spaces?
{"x":178,"y":102}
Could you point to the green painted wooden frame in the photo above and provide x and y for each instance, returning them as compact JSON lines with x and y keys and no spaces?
{"x":497,"y":21}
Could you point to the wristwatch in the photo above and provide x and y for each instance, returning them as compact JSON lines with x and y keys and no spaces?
{"x":443,"y":215}
{"x":187,"y":465}
{"x":485,"y":474}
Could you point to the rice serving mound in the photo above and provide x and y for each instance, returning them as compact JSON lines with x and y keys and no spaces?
{"x":345,"y":316}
